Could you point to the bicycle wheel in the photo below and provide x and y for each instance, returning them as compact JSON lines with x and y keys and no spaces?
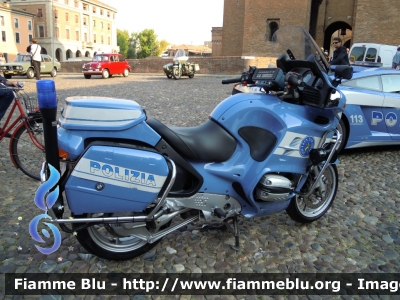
{"x":28,"y":156}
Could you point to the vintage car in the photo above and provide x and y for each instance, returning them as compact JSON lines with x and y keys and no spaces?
{"x":21,"y":66}
{"x":106,"y":65}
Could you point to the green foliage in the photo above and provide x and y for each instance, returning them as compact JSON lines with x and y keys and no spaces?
{"x":162,"y":46}
{"x":133,"y":46}
{"x":140,"y":45}
{"x":148,"y":43}
{"x":123,"y":41}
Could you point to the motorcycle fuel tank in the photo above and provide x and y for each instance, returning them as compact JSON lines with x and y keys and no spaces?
{"x":113,"y":179}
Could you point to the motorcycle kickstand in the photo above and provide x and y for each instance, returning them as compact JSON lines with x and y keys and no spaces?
{"x":234,"y":231}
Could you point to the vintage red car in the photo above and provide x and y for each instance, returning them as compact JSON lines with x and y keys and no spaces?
{"x":106,"y":65}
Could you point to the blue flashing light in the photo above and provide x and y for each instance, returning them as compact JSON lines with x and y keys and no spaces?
{"x":46,"y":94}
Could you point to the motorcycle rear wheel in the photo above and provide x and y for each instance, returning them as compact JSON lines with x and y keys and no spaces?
{"x":102,"y":241}
{"x":312,"y":207}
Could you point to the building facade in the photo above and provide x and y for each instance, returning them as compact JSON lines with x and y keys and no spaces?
{"x":216,"y":42}
{"x":249,"y":24}
{"x":16,"y":30}
{"x":72,"y":29}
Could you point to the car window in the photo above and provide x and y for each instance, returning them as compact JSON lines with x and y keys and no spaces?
{"x":121,"y":58}
{"x":391,"y":83}
{"x":100,"y":58}
{"x":46,"y":58}
{"x":357,"y":54}
{"x":368,"y":83}
{"x":371,"y":54}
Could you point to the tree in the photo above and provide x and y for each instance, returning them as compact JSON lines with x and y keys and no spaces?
{"x":123,"y":41}
{"x":148,"y":43}
{"x":140,"y":45}
{"x":133,"y":46}
{"x":162,"y":46}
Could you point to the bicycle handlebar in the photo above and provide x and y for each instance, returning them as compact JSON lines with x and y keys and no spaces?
{"x":19,"y":87}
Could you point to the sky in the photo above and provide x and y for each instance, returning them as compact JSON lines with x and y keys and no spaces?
{"x":176,"y":21}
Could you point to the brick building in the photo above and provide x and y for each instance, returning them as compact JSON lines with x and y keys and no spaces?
{"x":72,"y":29}
{"x":249,"y":24}
{"x":216,"y":42}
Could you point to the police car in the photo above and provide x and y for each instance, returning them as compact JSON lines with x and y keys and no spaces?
{"x":372,"y":115}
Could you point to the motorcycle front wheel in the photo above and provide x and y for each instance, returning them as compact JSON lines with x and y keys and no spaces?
{"x":308,"y":208}
{"x":106,"y":240}
{"x":177,"y":73}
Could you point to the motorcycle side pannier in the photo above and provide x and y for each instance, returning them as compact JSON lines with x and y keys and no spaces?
{"x":115,"y":179}
{"x":195,"y":67}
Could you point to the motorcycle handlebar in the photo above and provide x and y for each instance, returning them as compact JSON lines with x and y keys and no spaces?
{"x":235,"y":80}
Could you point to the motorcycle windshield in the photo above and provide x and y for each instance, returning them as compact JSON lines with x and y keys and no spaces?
{"x":180,"y":53}
{"x":299,"y":45}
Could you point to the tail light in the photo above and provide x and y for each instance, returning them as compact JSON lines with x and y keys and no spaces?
{"x":63,"y":154}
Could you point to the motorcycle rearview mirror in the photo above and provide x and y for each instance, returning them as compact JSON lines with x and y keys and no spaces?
{"x":344,"y":72}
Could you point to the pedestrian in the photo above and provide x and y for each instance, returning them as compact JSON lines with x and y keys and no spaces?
{"x":396,"y":59}
{"x":36,"y":57}
{"x":6,"y":97}
{"x":2,"y":62}
{"x":339,"y":56}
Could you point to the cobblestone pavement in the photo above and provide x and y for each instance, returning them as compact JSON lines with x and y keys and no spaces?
{"x":360,"y":233}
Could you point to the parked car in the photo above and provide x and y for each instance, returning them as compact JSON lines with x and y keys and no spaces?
{"x":372,"y":55}
{"x":21,"y":66}
{"x":372,"y":115}
{"x":106,"y":65}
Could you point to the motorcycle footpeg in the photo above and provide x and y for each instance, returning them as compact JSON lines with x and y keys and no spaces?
{"x":218,"y":212}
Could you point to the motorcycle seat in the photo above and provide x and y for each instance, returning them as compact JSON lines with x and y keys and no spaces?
{"x":208,"y":142}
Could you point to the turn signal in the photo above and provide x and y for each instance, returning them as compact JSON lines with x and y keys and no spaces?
{"x":63,"y":154}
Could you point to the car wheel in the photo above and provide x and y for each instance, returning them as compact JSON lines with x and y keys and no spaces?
{"x":8,"y":76}
{"x":30,"y":73}
{"x":87,"y":76}
{"x":343,"y":131}
{"x":53,"y":72}
{"x":106,"y":74}
{"x":126,"y":73}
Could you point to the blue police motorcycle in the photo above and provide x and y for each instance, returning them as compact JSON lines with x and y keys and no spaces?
{"x":270,"y":149}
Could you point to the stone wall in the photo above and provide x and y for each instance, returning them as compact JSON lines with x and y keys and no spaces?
{"x":208,"y":65}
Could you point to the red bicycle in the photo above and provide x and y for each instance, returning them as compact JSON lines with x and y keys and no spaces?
{"x":26,"y":140}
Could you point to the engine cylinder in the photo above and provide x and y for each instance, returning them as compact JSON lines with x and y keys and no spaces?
{"x":273,"y":187}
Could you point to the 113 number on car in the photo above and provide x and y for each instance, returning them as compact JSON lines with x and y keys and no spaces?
{"x":356,"y":119}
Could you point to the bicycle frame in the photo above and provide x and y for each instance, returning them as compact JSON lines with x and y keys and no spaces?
{"x":23,"y":120}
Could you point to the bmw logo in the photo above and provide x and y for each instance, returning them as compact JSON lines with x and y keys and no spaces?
{"x":99,"y":186}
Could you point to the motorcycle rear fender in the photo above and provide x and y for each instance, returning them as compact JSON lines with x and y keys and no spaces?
{"x":115,"y":179}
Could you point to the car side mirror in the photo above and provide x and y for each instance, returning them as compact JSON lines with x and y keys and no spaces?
{"x":343,"y":72}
